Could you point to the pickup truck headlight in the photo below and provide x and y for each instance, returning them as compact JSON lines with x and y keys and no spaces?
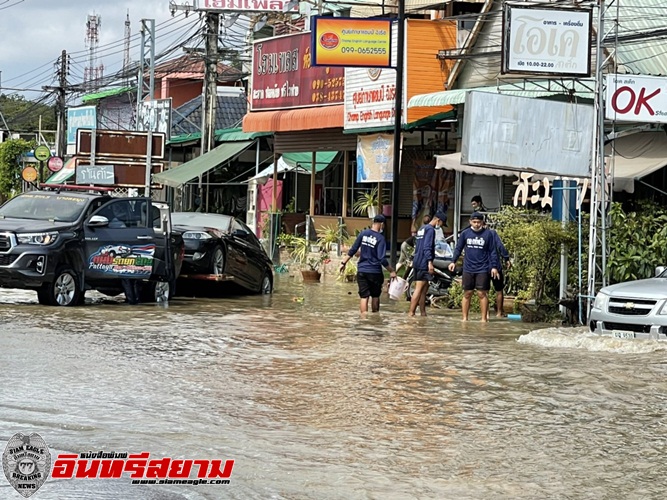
{"x":196,"y":235}
{"x":601,"y":300}
{"x":37,"y":238}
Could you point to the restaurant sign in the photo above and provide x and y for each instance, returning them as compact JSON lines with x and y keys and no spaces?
{"x":283,"y":76}
{"x":245,"y":5}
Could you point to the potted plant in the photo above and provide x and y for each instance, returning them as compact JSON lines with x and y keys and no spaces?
{"x":368,"y":202}
{"x":310,"y":263}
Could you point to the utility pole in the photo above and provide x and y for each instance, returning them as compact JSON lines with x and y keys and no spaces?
{"x":61,"y":146}
{"x":210,"y":103}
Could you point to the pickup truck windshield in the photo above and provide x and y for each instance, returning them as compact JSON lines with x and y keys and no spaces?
{"x":36,"y":206}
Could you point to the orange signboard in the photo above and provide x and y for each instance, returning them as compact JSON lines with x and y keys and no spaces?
{"x":343,"y":41}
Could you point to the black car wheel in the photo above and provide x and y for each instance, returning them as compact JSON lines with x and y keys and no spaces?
{"x":65,"y":290}
{"x":218,"y":261}
{"x":266,"y":287}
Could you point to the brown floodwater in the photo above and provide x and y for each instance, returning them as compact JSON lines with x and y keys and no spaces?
{"x":314,"y":402}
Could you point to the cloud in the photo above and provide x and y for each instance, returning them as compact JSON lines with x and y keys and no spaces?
{"x":35,"y":32}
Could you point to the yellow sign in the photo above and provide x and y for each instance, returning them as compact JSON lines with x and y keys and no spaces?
{"x":342,"y":41}
{"x":29,"y":174}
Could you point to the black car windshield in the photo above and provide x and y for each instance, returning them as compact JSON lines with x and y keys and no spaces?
{"x":216,"y":221}
{"x":38,"y":206}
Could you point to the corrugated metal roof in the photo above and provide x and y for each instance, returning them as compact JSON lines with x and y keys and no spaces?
{"x":642,"y":33}
{"x":582,"y":89}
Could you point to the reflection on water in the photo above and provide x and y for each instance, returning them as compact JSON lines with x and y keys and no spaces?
{"x":314,"y":402}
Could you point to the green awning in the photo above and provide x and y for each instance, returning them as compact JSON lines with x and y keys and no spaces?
{"x":192,"y":169}
{"x":237,"y":134}
{"x":107,"y":93}
{"x":304,"y":160}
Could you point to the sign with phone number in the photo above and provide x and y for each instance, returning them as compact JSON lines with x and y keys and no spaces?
{"x":340,"y":41}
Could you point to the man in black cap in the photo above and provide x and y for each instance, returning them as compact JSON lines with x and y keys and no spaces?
{"x":422,"y":261}
{"x":373,"y":256}
{"x":480,"y":259}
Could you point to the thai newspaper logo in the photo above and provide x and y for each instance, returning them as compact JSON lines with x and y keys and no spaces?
{"x":26,"y":462}
{"x":123,"y":260}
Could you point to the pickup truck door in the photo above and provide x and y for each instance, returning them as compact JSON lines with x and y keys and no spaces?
{"x":120,"y":241}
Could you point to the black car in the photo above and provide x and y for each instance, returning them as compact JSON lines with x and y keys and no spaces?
{"x":222,"y":245}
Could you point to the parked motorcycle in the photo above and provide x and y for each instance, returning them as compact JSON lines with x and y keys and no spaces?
{"x":439,"y":285}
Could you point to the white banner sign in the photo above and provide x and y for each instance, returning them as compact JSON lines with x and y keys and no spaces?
{"x":547,"y":41}
{"x":245,"y":5}
{"x":375,"y":158}
{"x":636,"y":98}
{"x":155,"y":115}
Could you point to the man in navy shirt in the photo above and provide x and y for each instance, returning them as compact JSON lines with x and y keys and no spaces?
{"x":499,"y":282}
{"x":373,"y":256}
{"x":480,"y":258}
{"x":422,"y":262}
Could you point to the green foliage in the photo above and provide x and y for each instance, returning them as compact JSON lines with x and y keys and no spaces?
{"x":23,"y":116}
{"x":534,"y":243}
{"x":637,"y":241}
{"x":330,"y":235}
{"x":349,"y":273}
{"x":291,"y":206}
{"x":10,"y":166}
{"x":366,"y":200}
{"x":455,"y":298}
{"x":301,"y":254}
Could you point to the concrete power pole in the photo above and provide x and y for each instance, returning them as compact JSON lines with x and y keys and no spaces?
{"x":61,"y":132}
{"x":210,"y":103}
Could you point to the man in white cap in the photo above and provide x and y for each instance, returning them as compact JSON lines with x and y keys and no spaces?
{"x":373,"y":257}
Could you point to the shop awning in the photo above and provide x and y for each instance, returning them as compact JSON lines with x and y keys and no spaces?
{"x":299,"y":163}
{"x":636,"y":156}
{"x":525,"y":89}
{"x":290,"y":120}
{"x":178,"y":176}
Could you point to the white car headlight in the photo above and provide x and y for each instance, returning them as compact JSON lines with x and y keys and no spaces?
{"x":196,"y":235}
{"x":37,"y":238}
{"x":601,"y":300}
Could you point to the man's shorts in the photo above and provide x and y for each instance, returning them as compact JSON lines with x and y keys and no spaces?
{"x":370,"y":284}
{"x":499,"y":283}
{"x":422,"y":275}
{"x":476,"y":281}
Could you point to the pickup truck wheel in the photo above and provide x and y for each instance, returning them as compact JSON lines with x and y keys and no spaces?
{"x":65,"y":290}
{"x":156,"y":291}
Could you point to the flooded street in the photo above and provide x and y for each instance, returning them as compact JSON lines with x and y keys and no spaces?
{"x":313,"y":402}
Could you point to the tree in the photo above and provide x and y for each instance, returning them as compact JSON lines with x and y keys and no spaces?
{"x":23,"y":116}
{"x":10,"y":166}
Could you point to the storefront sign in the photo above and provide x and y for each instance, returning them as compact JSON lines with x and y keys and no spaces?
{"x":155,"y":115}
{"x":546,"y":40}
{"x":245,"y":5}
{"x":636,"y":98}
{"x":370,"y":98}
{"x":340,"y":41}
{"x":537,"y":190}
{"x":283,"y":76}
{"x":375,"y":158}
{"x":83,"y":117}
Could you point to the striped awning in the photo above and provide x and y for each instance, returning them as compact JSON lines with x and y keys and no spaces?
{"x":290,"y":120}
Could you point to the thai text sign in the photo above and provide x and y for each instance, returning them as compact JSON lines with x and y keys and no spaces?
{"x":636,"y":98}
{"x":283,"y":76}
{"x":340,"y":41}
{"x":95,"y":174}
{"x":245,"y":5}
{"x":546,"y":41}
{"x":375,"y":158}
{"x":82,"y":117}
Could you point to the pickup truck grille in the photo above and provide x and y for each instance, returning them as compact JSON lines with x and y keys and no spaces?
{"x":7,"y":259}
{"x":608,"y":325}
{"x":5,"y":242}
{"x":631,"y":307}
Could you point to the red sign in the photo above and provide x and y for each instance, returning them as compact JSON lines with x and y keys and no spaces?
{"x":283,"y":78}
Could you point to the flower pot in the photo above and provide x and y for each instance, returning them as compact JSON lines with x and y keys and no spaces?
{"x":372,"y":211}
{"x":309,"y":275}
{"x":386,"y":210}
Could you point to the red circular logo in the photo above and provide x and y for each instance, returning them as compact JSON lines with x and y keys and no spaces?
{"x":55,"y":164}
{"x":329,"y":40}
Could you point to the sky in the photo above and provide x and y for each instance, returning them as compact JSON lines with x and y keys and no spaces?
{"x":33,"y":34}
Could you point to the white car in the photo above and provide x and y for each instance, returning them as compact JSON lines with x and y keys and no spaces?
{"x":633,"y":309}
